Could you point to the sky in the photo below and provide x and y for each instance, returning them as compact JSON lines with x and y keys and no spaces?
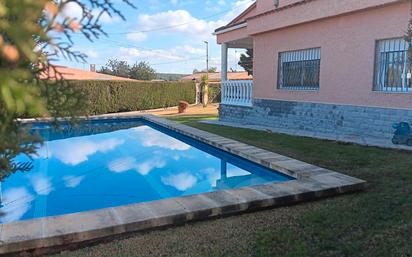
{"x":169,"y":34}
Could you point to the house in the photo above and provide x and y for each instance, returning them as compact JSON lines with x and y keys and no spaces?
{"x":216,"y":77}
{"x":335,"y":69}
{"x":68,"y":73}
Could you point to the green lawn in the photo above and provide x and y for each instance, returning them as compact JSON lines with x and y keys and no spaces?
{"x":376,"y":222}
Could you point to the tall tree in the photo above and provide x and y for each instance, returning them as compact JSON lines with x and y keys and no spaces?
{"x":213,"y":69}
{"x":33,"y":34}
{"x":142,"y":71}
{"x":246,"y":61}
{"x":116,"y":68}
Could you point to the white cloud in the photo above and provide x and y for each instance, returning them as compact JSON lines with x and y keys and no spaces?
{"x":181,"y":182}
{"x":186,"y":50}
{"x":155,"y":56}
{"x":132,"y":53}
{"x":178,"y":53}
{"x":17,"y":203}
{"x":190,"y":30}
{"x":178,"y":21}
{"x":136,"y":37}
{"x":183,"y":22}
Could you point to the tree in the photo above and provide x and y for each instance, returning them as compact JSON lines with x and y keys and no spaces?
{"x":212,"y":69}
{"x":116,"y":68}
{"x":142,"y":71}
{"x":33,"y":34}
{"x":246,"y":61}
{"x":205,"y":89}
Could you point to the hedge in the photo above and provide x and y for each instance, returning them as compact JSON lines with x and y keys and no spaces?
{"x":120,"y":96}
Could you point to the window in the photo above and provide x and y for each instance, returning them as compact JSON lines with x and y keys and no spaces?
{"x":299,"y":70}
{"x":392,"y":66}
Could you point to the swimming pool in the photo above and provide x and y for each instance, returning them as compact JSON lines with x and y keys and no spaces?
{"x":116,"y":175}
{"x":108,"y":163}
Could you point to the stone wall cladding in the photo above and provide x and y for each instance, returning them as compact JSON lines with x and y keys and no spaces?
{"x":359,"y":124}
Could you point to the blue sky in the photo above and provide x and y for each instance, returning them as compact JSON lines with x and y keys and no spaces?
{"x":179,"y":48}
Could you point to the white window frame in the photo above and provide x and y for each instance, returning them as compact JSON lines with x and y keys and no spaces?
{"x":311,"y":54}
{"x":391,"y":46}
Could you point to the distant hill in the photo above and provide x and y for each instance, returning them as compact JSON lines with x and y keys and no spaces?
{"x":170,"y":76}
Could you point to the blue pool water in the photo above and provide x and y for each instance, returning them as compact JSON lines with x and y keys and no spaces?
{"x":104,"y":164}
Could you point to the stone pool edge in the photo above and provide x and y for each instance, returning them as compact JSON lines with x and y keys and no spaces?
{"x":312,"y":182}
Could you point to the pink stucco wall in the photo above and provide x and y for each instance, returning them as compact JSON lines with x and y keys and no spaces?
{"x":310,"y":11}
{"x":347,"y":57}
{"x":266,"y":5}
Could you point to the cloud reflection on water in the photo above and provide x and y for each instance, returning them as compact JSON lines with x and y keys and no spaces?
{"x":75,"y":151}
{"x":72,"y":181}
{"x":17,"y":203}
{"x":130,"y":163}
{"x":42,"y":185}
{"x":181,"y":181}
{"x":150,"y":137}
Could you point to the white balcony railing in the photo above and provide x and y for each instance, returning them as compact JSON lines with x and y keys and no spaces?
{"x":237,"y":92}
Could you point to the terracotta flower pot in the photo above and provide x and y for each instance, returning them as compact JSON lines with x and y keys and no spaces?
{"x":183,"y":105}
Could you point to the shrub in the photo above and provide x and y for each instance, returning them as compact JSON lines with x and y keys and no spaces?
{"x":119,"y":96}
{"x":214,"y":93}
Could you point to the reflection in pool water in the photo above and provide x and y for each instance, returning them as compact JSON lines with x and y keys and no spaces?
{"x":85,"y":169}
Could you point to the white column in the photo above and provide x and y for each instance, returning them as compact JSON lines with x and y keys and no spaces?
{"x":224,"y":62}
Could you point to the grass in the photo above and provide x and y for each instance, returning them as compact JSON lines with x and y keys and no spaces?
{"x":376,"y":222}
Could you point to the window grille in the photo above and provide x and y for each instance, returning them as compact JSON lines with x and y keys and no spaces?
{"x":392,"y":72}
{"x":299,"y":70}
